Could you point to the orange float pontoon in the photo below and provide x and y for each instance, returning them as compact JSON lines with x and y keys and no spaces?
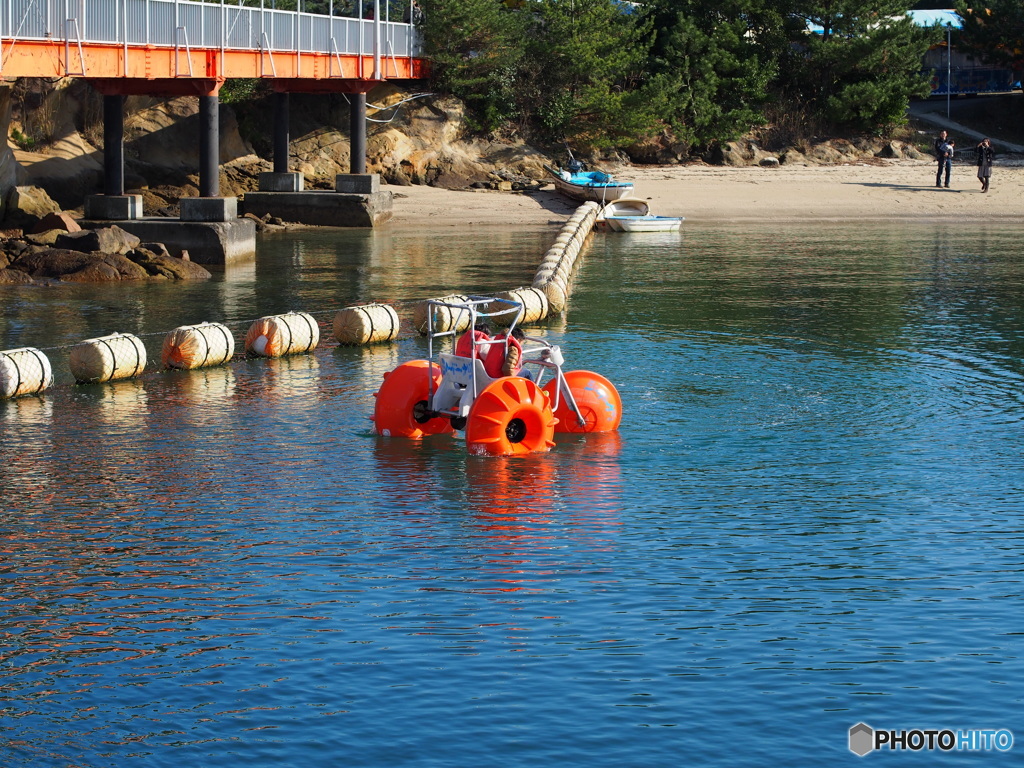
{"x":512,"y":416}
{"x":401,"y":408}
{"x":596,"y":399}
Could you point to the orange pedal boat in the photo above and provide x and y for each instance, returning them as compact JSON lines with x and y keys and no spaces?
{"x":504,"y":416}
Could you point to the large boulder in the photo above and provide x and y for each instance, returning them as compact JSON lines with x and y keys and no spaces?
{"x":94,"y":272}
{"x":126,"y":268}
{"x":733,"y":153}
{"x":26,"y":206}
{"x":51,"y":262}
{"x":159,"y":263}
{"x":76,"y":266}
{"x":14,"y":277}
{"x":48,"y":238}
{"x":62,"y":221}
{"x":111,"y":239}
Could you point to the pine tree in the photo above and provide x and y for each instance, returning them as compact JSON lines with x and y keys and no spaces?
{"x":994,"y":33}
{"x":860,"y":63}
{"x":585,"y":81}
{"x":475,"y":48}
{"x":716,"y":60}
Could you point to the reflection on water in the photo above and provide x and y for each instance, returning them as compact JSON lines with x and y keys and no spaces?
{"x":810,"y":516}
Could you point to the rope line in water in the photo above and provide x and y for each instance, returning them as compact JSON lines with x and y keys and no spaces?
{"x":578,"y":231}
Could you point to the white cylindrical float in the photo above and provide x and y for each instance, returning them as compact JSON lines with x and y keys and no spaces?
{"x":107,"y":358}
{"x":197,"y":346}
{"x":24,"y":371}
{"x":367,"y":324}
{"x":534,"y":307}
{"x":277,"y":335}
{"x":543,"y":275}
{"x":445,"y":318}
{"x":556,"y":297}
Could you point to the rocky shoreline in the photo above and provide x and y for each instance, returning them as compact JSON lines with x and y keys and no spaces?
{"x":49,"y":245}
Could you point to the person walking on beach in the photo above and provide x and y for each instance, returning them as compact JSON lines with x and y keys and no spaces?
{"x":944,"y":155}
{"x":985,"y":156}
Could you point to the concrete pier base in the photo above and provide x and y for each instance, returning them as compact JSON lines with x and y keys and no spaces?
{"x":357,"y":183}
{"x":217,"y":243}
{"x":281,"y":182}
{"x":113,"y":207}
{"x":326,"y":209}
{"x":209,"y":209}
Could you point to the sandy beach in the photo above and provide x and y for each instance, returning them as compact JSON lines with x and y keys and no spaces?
{"x":868,"y":191}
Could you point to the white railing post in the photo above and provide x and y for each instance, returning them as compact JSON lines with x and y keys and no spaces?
{"x":376,"y":39}
{"x":124,"y":29}
{"x":180,"y":32}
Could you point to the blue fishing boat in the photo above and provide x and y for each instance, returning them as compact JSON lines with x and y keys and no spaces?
{"x":589,"y":185}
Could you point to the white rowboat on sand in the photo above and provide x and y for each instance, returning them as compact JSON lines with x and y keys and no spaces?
{"x":631,"y":214}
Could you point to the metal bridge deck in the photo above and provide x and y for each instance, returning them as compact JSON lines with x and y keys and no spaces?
{"x":181,"y":46}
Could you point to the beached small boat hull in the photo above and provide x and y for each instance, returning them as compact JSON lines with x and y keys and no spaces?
{"x":590,"y":185}
{"x":626,"y":206}
{"x":643,"y":223}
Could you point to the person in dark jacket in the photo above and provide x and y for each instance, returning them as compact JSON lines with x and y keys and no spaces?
{"x":944,"y":156}
{"x":985,"y":157}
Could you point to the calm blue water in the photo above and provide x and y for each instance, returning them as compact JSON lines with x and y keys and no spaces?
{"x":812,"y":516}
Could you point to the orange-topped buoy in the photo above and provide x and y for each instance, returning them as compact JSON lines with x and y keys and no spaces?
{"x":512,"y":416}
{"x":402,"y":401}
{"x":595,"y":396}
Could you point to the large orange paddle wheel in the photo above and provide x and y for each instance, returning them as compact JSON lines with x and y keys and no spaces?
{"x":401,"y":405}
{"x":511,"y":417}
{"x":595,"y":396}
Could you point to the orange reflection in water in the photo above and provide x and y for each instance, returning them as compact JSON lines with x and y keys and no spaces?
{"x":526,"y":506}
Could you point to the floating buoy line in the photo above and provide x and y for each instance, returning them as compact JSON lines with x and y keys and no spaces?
{"x":28,"y":370}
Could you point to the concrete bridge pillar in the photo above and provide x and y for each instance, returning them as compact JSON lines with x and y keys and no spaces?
{"x":209,"y":145}
{"x":357,"y":130}
{"x":113,"y":204}
{"x":282,"y":113}
{"x":280,"y":180}
{"x":113,"y":144}
{"x":209,"y":206}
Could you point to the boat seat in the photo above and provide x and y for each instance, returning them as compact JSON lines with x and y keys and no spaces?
{"x":457,"y":383}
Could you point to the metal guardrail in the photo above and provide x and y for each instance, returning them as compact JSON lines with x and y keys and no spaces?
{"x":967,"y":156}
{"x":206,"y":25}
